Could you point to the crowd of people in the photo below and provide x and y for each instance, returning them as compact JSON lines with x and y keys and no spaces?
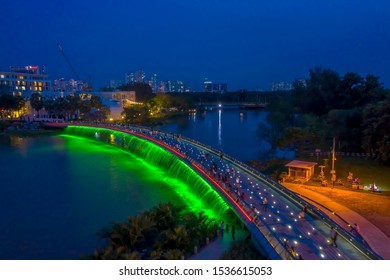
{"x":244,"y":189}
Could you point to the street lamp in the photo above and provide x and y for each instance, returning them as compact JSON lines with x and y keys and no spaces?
{"x":333,"y":171}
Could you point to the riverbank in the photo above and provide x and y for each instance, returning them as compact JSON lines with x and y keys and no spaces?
{"x":346,"y":208}
{"x":375,"y":207}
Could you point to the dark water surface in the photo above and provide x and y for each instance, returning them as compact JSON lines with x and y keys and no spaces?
{"x":57,"y":192}
{"x":231,"y":131}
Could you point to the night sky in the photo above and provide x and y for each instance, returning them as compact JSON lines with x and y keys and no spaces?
{"x":247,"y":44}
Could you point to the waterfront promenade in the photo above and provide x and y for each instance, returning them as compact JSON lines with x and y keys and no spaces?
{"x":280,"y":221}
{"x":375,"y":238}
{"x":372,"y":235}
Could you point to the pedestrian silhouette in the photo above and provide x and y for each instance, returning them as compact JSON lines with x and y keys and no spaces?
{"x":333,"y":236}
{"x":265,"y":202}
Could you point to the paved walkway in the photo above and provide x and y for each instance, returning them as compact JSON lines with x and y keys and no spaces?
{"x":214,"y":250}
{"x":375,"y":238}
{"x":282,"y":220}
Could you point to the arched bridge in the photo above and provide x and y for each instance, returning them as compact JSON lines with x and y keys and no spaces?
{"x":277,"y":227}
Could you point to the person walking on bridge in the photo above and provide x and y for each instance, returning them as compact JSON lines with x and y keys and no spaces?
{"x":333,"y":236}
{"x":222,"y":228}
{"x":265,"y":202}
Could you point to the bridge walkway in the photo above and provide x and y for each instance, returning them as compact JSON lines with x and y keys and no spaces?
{"x":304,"y":238}
{"x":308,"y":237}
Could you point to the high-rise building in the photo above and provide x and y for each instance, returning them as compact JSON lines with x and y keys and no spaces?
{"x":68,"y":86}
{"x":219,"y":88}
{"x":129,"y":78}
{"x":25,"y":80}
{"x":115,"y":83}
{"x":140,"y":76}
{"x":209,"y":86}
{"x":281,"y":86}
{"x":153,"y":83}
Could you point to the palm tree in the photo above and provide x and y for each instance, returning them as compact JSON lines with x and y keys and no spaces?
{"x":177,"y":238}
{"x":36,"y":102}
{"x":173,"y":254}
{"x":166,"y":215}
{"x":200,"y":227}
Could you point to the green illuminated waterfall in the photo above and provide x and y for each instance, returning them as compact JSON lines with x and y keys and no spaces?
{"x":196,"y":193}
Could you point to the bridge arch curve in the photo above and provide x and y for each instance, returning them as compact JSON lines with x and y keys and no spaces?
{"x":275,"y":232}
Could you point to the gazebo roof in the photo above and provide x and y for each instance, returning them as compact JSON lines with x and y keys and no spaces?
{"x":301,"y":164}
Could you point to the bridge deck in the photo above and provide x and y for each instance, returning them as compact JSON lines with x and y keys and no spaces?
{"x":279,"y":222}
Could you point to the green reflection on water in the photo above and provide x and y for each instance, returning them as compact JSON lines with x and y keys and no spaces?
{"x":153,"y":163}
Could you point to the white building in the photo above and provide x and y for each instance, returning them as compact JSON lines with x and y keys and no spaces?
{"x":25,"y":80}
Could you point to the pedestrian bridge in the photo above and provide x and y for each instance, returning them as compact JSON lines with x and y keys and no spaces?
{"x":277,"y":228}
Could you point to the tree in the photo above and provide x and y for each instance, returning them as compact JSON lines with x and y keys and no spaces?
{"x":351,"y":90}
{"x":376,"y":130}
{"x":96,"y":102}
{"x":135,"y":113}
{"x":71,"y":105}
{"x":164,"y":232}
{"x":36,"y":102}
{"x":272,"y":130}
{"x":143,"y":92}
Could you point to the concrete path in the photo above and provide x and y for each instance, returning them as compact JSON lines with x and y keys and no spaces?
{"x":214,"y":250}
{"x":375,"y":238}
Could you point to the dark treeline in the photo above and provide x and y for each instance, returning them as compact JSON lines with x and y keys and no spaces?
{"x":353,"y":109}
{"x":70,"y":107}
{"x":166,"y":232}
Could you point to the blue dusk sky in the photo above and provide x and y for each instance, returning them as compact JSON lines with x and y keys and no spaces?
{"x":247,"y":44}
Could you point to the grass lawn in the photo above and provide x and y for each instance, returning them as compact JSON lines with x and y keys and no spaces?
{"x":367,"y":170}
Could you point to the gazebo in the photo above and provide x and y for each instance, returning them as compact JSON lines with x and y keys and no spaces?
{"x":300,"y":170}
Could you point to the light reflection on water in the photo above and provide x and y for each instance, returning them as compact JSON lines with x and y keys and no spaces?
{"x":57,"y":193}
{"x":231,"y":131}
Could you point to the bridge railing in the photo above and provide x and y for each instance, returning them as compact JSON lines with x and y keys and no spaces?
{"x":276,"y":243}
{"x":296,"y":199}
{"x":266,"y":232}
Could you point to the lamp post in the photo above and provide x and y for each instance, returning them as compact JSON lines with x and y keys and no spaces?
{"x":333,"y":171}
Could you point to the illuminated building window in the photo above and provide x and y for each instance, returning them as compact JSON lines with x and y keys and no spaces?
{"x":40,"y":88}
{"x":18,"y":82}
{"x":2,"y":76}
{"x":23,"y":88}
{"x":40,"y":84}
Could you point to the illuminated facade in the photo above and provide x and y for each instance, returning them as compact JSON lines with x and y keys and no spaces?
{"x":281,"y":86}
{"x":211,"y":87}
{"x":68,"y":86}
{"x":25,"y":80}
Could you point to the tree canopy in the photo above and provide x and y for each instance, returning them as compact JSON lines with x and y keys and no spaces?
{"x":143,"y":92}
{"x":352,"y":108}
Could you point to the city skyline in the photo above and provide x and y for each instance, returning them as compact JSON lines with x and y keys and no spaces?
{"x":246,"y":44}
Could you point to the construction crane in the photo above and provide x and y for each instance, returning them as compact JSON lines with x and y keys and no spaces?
{"x":67,"y":60}
{"x":86,"y":87}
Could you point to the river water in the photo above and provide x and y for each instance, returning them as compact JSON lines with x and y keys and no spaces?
{"x":231,"y":131}
{"x":57,"y":192}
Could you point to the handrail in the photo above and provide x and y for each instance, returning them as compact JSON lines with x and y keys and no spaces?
{"x":291,"y":196}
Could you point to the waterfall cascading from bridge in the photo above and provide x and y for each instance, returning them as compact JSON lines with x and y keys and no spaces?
{"x":196,"y":193}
